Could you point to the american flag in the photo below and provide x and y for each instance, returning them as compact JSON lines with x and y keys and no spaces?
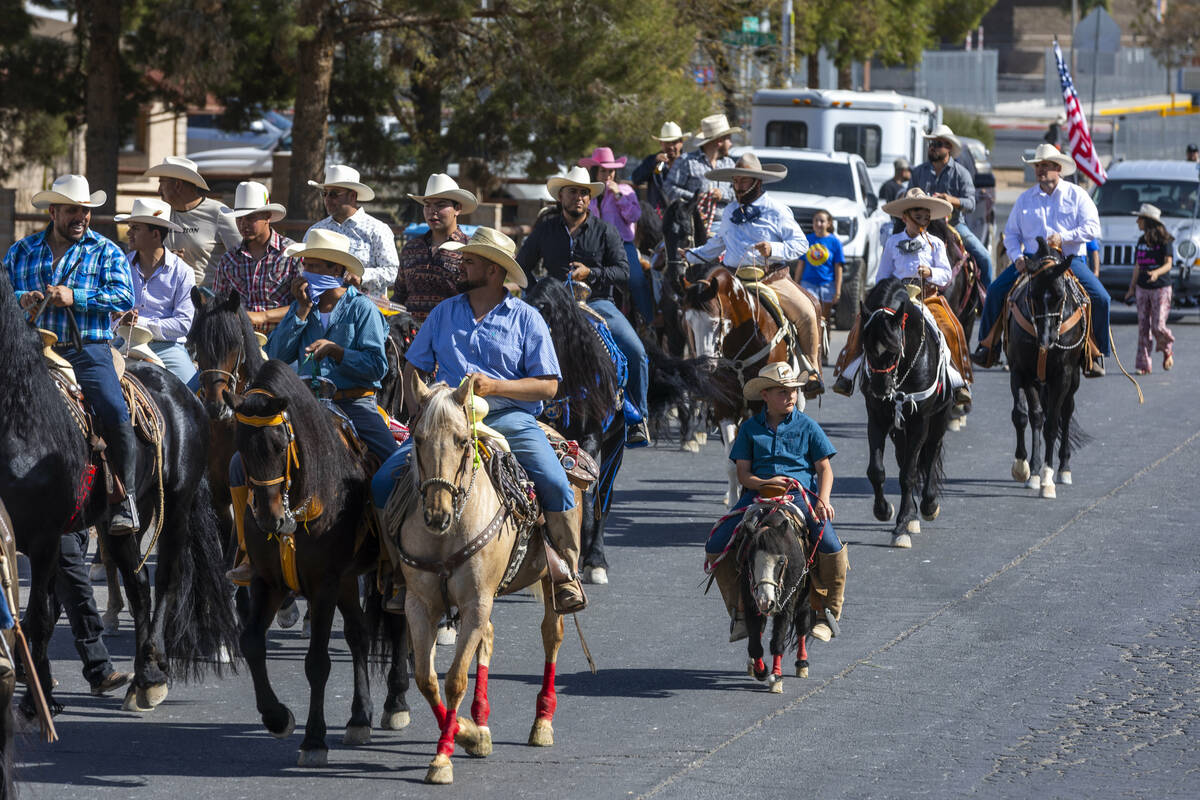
{"x":1080,"y":140}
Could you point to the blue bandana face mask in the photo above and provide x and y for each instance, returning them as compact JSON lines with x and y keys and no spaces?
{"x":318,"y":284}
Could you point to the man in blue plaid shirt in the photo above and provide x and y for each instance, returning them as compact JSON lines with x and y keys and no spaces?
{"x":68,"y":268}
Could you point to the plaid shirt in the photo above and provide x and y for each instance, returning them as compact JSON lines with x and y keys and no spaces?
{"x":94,"y":268}
{"x":426,"y":277}
{"x":263,"y":284}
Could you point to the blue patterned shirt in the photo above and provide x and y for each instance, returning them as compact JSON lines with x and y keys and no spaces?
{"x":94,"y":268}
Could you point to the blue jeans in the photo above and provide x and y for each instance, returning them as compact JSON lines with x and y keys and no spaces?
{"x":176,"y":358}
{"x":528,"y":443}
{"x":975,"y":247}
{"x":720,"y":538}
{"x":821,"y":291}
{"x":998,"y":291}
{"x":641,"y":293}
{"x":97,"y":379}
{"x":369,"y":425}
{"x":627,"y":339}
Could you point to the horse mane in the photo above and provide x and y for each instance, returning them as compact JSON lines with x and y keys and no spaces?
{"x":589,"y":377}
{"x":222,"y":326}
{"x":888,"y":293}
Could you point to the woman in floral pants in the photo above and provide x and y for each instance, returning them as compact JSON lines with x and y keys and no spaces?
{"x":1151,"y":284}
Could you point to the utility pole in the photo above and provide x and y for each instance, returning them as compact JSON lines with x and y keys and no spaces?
{"x":788,"y":43}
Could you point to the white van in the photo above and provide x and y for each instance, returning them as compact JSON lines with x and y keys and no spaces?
{"x":878,"y":126}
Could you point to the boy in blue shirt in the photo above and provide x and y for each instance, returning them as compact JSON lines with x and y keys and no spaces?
{"x":773,"y":450}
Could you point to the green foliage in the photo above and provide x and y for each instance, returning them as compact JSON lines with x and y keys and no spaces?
{"x":965,"y":123}
{"x":1173,"y":41}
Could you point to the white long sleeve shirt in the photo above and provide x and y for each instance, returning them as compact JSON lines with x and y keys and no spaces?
{"x":371,"y":242}
{"x":775,"y":224}
{"x":895,"y":263}
{"x":1067,"y":211}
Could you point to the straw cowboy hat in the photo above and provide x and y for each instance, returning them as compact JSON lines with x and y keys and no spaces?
{"x":1048,"y":152}
{"x":944,"y":132}
{"x":178,"y":167}
{"x":493,"y":245}
{"x":137,"y":343}
{"x":442,"y":187}
{"x":915,"y":198}
{"x":150,"y":212}
{"x":603,"y":157}
{"x":714,"y":127}
{"x":69,"y":190}
{"x":1149,"y":212}
{"x":671,"y":132}
{"x":250,"y":197}
{"x":748,"y":166}
{"x":340,"y":176}
{"x":576,"y":176}
{"x":327,"y":246}
{"x":777,"y":373}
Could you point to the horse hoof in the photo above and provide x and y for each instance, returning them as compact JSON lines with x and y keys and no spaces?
{"x":1048,"y":491}
{"x":930,"y":516}
{"x":395,"y":720}
{"x":595,"y":575}
{"x":475,"y":739}
{"x":902,"y":540}
{"x":447,"y":636}
{"x":802,"y":671}
{"x":1020,"y":470}
{"x":541,"y":734}
{"x":313,"y":758}
{"x":356,"y":735}
{"x":288,"y":616}
{"x":776,"y":684}
{"x":913,"y":526}
{"x":132,"y":702}
{"x":1064,"y":477}
{"x":152,"y":696}
{"x":954,"y":424}
{"x":1034,"y":482}
{"x":440,"y":771}
{"x":287,"y":728}
{"x":887,"y":514}
{"x":701,"y":440}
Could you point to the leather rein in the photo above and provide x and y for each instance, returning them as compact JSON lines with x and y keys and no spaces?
{"x":1064,"y":325}
{"x":311,"y":508}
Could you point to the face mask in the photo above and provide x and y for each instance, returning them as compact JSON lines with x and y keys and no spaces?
{"x":318,"y":284}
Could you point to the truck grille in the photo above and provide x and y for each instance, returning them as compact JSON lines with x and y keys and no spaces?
{"x":804,"y":217}
{"x":1118,"y":255}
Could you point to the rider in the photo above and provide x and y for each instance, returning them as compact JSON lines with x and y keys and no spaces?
{"x":371,"y":240}
{"x":688,"y":178}
{"x":654,"y":168}
{"x":503,"y":343}
{"x":428,"y":272}
{"x":759,"y":226}
{"x":617,"y":204}
{"x":911,"y":254}
{"x":1062,"y":213}
{"x":774,"y":450}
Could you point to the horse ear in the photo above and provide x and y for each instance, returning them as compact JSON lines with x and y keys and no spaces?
{"x":420,"y":391}
{"x":233,"y":301}
{"x":1043,"y":250}
{"x":464,"y":390}
{"x":274,"y":405}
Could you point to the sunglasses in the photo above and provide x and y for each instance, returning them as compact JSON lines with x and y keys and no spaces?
{"x":334,"y":192}
{"x":940,"y":143}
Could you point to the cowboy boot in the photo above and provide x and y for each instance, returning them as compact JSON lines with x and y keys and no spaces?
{"x":844,"y":385}
{"x":243,"y":572}
{"x":122,"y":459}
{"x":562,"y":529}
{"x":828,"y":597}
{"x":726,"y":578}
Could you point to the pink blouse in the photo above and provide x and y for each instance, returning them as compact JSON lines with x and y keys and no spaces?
{"x":621,"y":212}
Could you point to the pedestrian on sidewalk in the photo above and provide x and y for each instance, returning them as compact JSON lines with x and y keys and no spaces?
{"x":1151,"y":285}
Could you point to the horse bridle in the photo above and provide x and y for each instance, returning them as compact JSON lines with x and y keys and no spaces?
{"x":311,"y":508}
{"x":230,"y":379}
{"x":458,"y":495}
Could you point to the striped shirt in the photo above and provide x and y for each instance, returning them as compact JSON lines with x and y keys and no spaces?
{"x":263,"y":284}
{"x":94,"y":268}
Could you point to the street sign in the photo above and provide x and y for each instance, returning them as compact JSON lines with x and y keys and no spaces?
{"x":749,"y":24}
{"x":1098,"y":23}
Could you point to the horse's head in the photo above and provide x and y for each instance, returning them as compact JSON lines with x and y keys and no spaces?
{"x":773,"y":557}
{"x":443,"y":449}
{"x":226,"y":351}
{"x":266,"y":441}
{"x":886,"y":318}
{"x":707,"y":293}
{"x":1049,"y":295}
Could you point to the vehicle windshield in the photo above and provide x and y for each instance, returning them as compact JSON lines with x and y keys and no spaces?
{"x":814,"y":177}
{"x":1173,"y":198}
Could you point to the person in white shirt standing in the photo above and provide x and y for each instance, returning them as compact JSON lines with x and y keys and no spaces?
{"x":1064,"y":215}
{"x":204,"y":234}
{"x":371,"y":240}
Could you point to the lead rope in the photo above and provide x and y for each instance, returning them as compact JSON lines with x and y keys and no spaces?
{"x":1112,"y":345}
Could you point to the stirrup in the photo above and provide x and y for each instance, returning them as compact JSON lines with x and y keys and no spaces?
{"x":569,"y":597}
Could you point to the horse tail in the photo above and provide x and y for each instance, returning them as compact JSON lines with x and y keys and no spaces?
{"x":200,"y":624}
{"x":385,"y":630}
{"x":8,"y":785}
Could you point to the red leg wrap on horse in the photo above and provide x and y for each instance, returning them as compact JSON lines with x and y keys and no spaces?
{"x":547,"y":700}
{"x":446,"y":742}
{"x":439,"y":711}
{"x":802,"y":653}
{"x":479,"y":707}
{"x":777,"y":667}
{"x":759,"y":666}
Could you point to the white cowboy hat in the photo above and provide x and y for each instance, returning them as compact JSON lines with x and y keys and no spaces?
{"x":69,"y":190}
{"x":1149,"y":212}
{"x":150,"y":212}
{"x":252,"y":196}
{"x":944,"y":132}
{"x":748,"y":166}
{"x":671,"y":132}
{"x":714,"y":127}
{"x":915,"y":198}
{"x":327,"y":246}
{"x":137,"y":343}
{"x":340,"y":176}
{"x":777,"y":373}
{"x":576,"y":176}
{"x":1048,"y":152}
{"x":440,"y":186}
{"x":178,"y":167}
{"x":493,"y":245}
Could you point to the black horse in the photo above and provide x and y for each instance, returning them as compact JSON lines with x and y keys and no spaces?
{"x":1047,"y":332}
{"x":46,"y":484}
{"x":682,"y":229}
{"x":907,"y":396}
{"x":402,"y":329}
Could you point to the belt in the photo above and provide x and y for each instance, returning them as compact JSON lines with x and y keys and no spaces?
{"x":60,"y":346}
{"x":352,"y":394}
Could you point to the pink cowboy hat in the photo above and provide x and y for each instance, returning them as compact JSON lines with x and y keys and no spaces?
{"x":602,"y":157}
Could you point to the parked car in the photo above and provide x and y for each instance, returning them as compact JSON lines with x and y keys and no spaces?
{"x":263,"y":132}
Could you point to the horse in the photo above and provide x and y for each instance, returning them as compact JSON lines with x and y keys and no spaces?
{"x":682,"y":229}
{"x":50,"y":484}
{"x":907,"y":396}
{"x":1047,"y":331}
{"x":456,"y":540}
{"x":402,"y":328}
{"x":305,"y":533}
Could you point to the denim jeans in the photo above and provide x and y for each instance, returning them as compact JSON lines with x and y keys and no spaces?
{"x":369,"y":425}
{"x":640,"y":291}
{"x":73,"y":593}
{"x":975,"y":247}
{"x":176,"y":358}
{"x":627,"y":339}
{"x":97,"y":379}
{"x":719,"y":539}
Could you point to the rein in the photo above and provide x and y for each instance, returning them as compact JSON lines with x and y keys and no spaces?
{"x":311,"y":508}
{"x":905,"y":401}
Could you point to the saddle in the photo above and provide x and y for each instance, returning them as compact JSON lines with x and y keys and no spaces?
{"x":1018,"y":307}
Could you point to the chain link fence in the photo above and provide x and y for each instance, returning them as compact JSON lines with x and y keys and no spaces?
{"x":963,"y":79}
{"x":1128,"y":72}
{"x":1150,"y":136}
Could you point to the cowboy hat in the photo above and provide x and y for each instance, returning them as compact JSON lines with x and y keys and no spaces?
{"x":915,"y":198}
{"x":442,"y":187}
{"x":576,"y":176}
{"x":714,"y":127}
{"x":69,"y":190}
{"x":250,"y":197}
{"x":777,"y":373}
{"x":327,"y":246}
{"x":944,"y":132}
{"x":603,"y":157}
{"x":1149,"y":212}
{"x":343,"y":177}
{"x":1048,"y":152}
{"x":748,"y":166}
{"x":180,"y":168}
{"x":137,"y":343}
{"x":493,"y":245}
{"x":150,"y":212}
{"x":671,"y":132}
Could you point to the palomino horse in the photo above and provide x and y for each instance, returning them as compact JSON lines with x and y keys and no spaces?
{"x":456,"y":544}
{"x":306,"y":533}
{"x":50,"y":485}
{"x":1047,"y":331}
{"x":908,"y":396}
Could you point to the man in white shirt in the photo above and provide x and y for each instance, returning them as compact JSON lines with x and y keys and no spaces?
{"x":1064,"y":215}
{"x":205,"y":233}
{"x":371,"y":240}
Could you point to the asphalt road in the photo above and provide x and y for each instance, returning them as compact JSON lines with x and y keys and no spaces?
{"x":1023,"y":648}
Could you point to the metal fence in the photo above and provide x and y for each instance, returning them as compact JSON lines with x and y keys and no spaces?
{"x":964,"y":79}
{"x":1128,"y":72}
{"x":1152,"y":136}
